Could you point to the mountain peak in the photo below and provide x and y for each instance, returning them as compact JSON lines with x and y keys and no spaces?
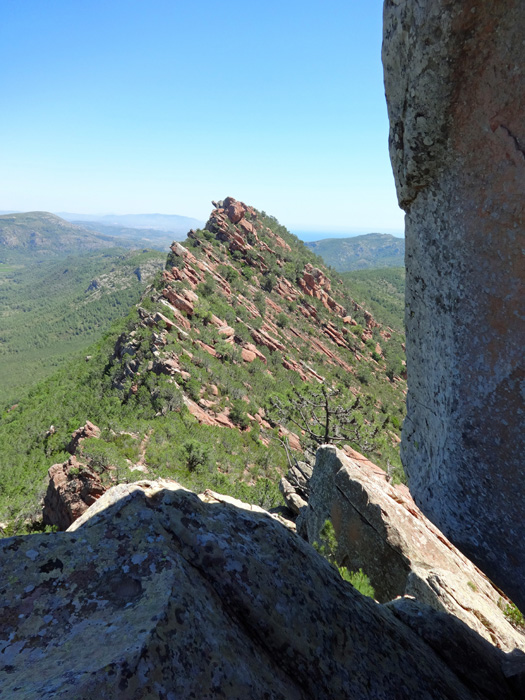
{"x":241,"y":325}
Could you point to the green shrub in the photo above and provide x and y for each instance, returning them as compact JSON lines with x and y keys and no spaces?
{"x":513,"y":614}
{"x":396,"y":423}
{"x":359,"y":581}
{"x":282,"y":320}
{"x":268,"y":282}
{"x":327,"y":547}
{"x":228,"y":272}
{"x":238,"y":414}
{"x":206,"y":288}
{"x":195,"y":454}
{"x":193,"y":388}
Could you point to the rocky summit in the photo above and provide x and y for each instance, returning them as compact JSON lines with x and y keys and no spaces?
{"x":157,"y":592}
{"x":455,"y":81}
{"x":202,"y":381}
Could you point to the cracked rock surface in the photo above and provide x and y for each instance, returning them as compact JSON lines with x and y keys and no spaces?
{"x":380,"y":529}
{"x":455,"y":88}
{"x":157,"y":592}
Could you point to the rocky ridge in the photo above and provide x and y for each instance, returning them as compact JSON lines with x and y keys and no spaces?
{"x":237,"y":291}
{"x":242,"y":314}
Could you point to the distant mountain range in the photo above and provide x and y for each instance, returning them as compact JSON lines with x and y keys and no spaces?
{"x":156,"y":225}
{"x":65,"y":233}
{"x":41,"y":234}
{"x":46,"y":235}
{"x":372,"y":250}
{"x":141,"y":237}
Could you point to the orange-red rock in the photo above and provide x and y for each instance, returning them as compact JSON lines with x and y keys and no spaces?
{"x":234,"y":209}
{"x":72,"y":488}
{"x":89,"y":430}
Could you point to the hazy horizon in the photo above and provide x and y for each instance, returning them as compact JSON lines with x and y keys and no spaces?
{"x":306,"y":235}
{"x":133,"y":107}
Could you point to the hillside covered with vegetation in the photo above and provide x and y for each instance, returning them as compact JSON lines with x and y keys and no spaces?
{"x":39,"y":235}
{"x":204,"y":380}
{"x":370,"y":251}
{"x":382,"y":291}
{"x":52,"y":308}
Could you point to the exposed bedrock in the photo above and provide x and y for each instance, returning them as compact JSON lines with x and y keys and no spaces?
{"x":155,"y":592}
{"x":380,"y":529}
{"x":455,"y":86}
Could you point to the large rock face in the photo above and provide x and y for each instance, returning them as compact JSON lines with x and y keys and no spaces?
{"x":455,"y":86}
{"x":155,"y":592}
{"x":380,"y":529}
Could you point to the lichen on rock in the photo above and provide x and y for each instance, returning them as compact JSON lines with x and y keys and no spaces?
{"x":455,"y":81}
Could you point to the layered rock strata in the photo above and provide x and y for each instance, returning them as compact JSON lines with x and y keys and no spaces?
{"x":380,"y":529}
{"x":455,"y":87}
{"x":155,"y":592}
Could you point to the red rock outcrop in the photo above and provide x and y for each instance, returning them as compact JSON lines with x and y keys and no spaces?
{"x":315,"y":284}
{"x":234,"y":209}
{"x":72,"y":488}
{"x":315,"y":278}
{"x":179,"y":301}
{"x":207,"y":417}
{"x":89,"y":430}
{"x":296,"y":367}
{"x":262,"y":338}
{"x":455,"y":87}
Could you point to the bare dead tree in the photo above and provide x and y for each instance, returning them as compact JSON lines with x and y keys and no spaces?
{"x":323,"y":420}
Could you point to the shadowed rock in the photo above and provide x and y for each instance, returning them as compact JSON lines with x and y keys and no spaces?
{"x":455,"y":87}
{"x":156,"y":593}
{"x":380,"y":529}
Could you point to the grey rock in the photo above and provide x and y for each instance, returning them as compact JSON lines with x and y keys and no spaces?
{"x":380,"y":529}
{"x":294,"y":486}
{"x":455,"y":88}
{"x":156,"y":592}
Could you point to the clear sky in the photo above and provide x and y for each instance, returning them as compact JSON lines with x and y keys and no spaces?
{"x":135,"y":106}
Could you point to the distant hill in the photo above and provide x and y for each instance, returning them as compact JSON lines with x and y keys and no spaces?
{"x":39,"y":234}
{"x":371,"y":250}
{"x":382,"y":291}
{"x":174,"y":224}
{"x":142,"y":237}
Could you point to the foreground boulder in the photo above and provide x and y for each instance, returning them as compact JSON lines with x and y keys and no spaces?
{"x":155,"y":592}
{"x":455,"y":87}
{"x":380,"y":529}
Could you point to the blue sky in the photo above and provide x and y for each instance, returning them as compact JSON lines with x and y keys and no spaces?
{"x":161,"y":106}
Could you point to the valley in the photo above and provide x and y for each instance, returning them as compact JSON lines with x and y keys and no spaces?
{"x":243,"y":318}
{"x":53,"y":308}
